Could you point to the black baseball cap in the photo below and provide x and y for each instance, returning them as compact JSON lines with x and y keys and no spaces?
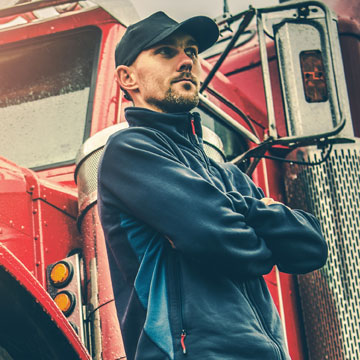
{"x":158,"y":26}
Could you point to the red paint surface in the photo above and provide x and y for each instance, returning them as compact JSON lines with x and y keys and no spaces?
{"x":38,"y":211}
{"x":10,"y":263}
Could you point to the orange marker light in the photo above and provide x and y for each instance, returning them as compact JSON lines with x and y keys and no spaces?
{"x":313,"y":74}
{"x":61,"y":274}
{"x":65,"y":300}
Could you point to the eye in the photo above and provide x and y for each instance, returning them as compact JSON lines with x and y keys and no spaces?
{"x":192,"y":52}
{"x":166,"y":51}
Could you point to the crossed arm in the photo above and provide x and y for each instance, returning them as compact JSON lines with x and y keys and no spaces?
{"x":241,"y":235}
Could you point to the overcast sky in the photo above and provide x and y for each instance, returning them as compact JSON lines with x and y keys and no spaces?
{"x":183,"y":9}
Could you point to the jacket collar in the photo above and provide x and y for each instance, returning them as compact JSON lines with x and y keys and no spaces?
{"x":182,"y":123}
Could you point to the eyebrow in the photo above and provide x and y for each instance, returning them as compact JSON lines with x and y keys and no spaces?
{"x":192,"y":42}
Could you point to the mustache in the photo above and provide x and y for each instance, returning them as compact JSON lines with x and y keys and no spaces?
{"x":186,"y":76}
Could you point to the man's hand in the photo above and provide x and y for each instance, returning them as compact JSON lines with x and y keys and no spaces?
{"x":270,"y":201}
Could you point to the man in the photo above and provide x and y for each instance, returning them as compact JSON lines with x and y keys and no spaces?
{"x":189,"y":239}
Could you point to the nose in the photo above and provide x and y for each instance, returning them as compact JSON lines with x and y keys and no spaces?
{"x":185,"y":62}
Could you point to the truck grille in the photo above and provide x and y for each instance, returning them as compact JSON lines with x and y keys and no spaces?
{"x":330,"y":297}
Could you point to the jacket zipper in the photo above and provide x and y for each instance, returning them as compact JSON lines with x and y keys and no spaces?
{"x":179,"y":302}
{"x":183,"y":331}
{"x":257,"y":313}
{"x":197,"y":143}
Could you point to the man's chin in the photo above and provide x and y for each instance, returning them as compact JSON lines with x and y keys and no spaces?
{"x":177,"y":101}
{"x":185,"y":96}
{"x":183,"y":102}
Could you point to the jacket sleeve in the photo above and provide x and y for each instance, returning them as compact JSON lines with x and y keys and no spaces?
{"x":293,"y":236}
{"x":140,"y":175}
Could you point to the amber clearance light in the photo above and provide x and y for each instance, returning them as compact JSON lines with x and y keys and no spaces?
{"x":61,"y":274}
{"x":313,"y":74}
{"x":65,"y":300}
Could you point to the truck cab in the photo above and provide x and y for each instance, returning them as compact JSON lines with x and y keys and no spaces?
{"x":59,"y":102}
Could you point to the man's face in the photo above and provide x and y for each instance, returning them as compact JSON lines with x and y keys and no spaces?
{"x":168,"y":75}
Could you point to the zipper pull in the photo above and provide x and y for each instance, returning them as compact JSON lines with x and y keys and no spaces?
{"x":193,"y":131}
{"x":182,"y":341}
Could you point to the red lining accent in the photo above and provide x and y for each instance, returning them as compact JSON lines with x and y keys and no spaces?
{"x":193,"y":126}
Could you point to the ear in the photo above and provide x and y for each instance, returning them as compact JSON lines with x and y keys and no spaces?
{"x":126,"y":78}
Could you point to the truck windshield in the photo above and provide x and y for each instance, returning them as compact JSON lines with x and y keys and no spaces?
{"x":44,"y":97}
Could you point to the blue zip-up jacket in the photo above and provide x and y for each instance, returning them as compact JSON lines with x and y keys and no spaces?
{"x":188,"y":242}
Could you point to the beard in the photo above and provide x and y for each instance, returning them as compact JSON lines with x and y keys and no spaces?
{"x":175,"y":102}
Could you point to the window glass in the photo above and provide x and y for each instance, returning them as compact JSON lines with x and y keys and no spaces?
{"x":234,"y":144}
{"x":44,"y":97}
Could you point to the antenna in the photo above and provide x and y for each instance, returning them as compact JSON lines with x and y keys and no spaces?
{"x":226,"y":8}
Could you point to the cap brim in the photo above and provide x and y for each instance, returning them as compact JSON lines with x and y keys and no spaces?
{"x":201,"y":28}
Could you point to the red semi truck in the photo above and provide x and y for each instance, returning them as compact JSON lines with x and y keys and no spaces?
{"x":279,"y":98}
